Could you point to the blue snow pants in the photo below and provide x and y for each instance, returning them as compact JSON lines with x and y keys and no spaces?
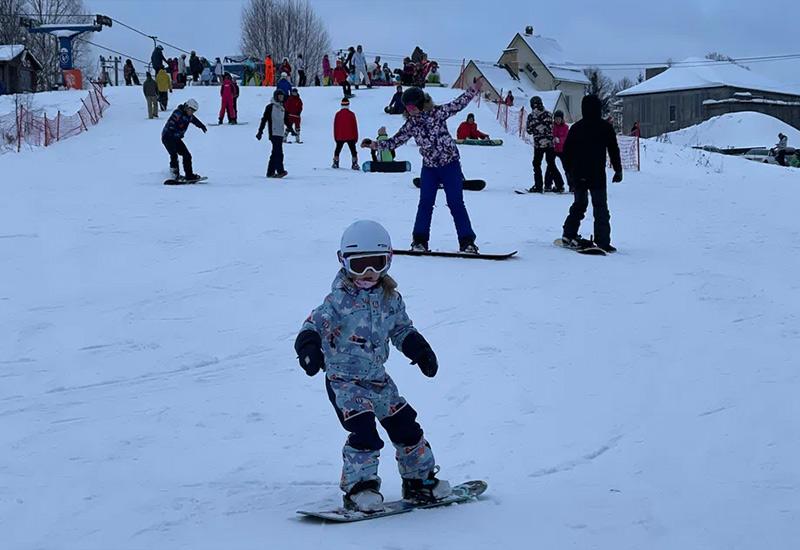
{"x":451,"y":178}
{"x":358,"y":403}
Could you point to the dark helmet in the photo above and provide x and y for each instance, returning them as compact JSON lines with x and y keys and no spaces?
{"x":558,"y":114}
{"x":471,"y":116}
{"x":414,"y":96}
{"x":279,"y":95}
{"x":294,"y":91}
{"x":536,"y":102}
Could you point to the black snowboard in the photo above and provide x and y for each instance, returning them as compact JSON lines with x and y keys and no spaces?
{"x":391,"y":166}
{"x":183,"y":181}
{"x":469,"y":185}
{"x":590,"y":249}
{"x":481,"y":256}
{"x":529,"y":192}
{"x":228,"y":124}
{"x":461,"y":493}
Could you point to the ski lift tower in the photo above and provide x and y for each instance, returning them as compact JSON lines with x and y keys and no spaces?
{"x":66,"y":33}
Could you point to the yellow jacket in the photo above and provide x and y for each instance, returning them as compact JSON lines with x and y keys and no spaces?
{"x":163,"y":81}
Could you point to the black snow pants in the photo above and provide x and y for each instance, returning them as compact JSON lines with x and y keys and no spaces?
{"x":176,"y":147}
{"x":602,"y":218}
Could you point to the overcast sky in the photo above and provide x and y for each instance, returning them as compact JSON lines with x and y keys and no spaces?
{"x":592,"y":32}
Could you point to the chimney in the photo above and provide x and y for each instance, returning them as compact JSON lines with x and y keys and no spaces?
{"x":529,"y":31}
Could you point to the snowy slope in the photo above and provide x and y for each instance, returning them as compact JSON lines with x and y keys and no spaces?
{"x":735,"y":130}
{"x":68,"y":102}
{"x":150,"y":397}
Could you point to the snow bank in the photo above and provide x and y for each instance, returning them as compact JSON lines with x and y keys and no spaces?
{"x":67,"y":101}
{"x":735,"y":130}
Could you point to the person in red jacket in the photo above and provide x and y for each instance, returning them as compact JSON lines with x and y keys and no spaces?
{"x":560,"y":131}
{"x":469,"y":129}
{"x":345,"y":130}
{"x":340,"y":78}
{"x":228,"y":91}
{"x":286,"y":67}
{"x":294,"y":107}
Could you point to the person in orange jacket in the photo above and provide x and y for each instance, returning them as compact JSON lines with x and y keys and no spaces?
{"x":269,"y":71}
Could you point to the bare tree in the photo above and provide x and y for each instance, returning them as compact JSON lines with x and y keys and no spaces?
{"x":284,"y":28}
{"x":10,"y":30}
{"x":716,"y":56}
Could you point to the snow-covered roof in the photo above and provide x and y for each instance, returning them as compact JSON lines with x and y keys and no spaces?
{"x":698,"y":73}
{"x":10,"y":51}
{"x":523,"y":89}
{"x":553,"y":56}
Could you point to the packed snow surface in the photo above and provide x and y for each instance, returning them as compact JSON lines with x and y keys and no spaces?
{"x":150,"y":395}
{"x":736,"y":130}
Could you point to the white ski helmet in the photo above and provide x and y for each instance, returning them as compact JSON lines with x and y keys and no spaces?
{"x":365,"y":236}
{"x":192,"y":104}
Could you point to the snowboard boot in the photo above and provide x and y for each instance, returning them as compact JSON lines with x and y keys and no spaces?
{"x":419,"y":246}
{"x":535,"y":189}
{"x":355,"y":165}
{"x":426,"y":490}
{"x":467,"y":246}
{"x":174,"y":172}
{"x":335,"y":162}
{"x":192,"y":177}
{"x":297,"y":137}
{"x":282,"y":174}
{"x":286,"y":138}
{"x":365,"y":497}
{"x":220,"y":122}
{"x":577,"y":243}
{"x":607,"y":248}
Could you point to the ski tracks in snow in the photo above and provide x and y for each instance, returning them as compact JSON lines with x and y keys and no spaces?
{"x":580,"y":461}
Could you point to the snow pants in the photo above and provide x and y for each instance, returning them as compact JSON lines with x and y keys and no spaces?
{"x":452,"y":179}
{"x":163,"y":99}
{"x":340,"y":145}
{"x":152,"y":106}
{"x":552,"y":176}
{"x":362,"y":76}
{"x":228,"y":106}
{"x":175,"y":148}
{"x":275,"y":165}
{"x":602,"y":218}
{"x":357,"y":404}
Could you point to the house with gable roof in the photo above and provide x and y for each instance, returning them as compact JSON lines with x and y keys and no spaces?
{"x":18,"y":69}
{"x":535,"y":64}
{"x":696,"y":89}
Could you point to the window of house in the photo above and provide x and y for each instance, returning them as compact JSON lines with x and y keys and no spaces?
{"x":673,"y":113}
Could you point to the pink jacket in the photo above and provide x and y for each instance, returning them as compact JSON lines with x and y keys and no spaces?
{"x":560,"y":132}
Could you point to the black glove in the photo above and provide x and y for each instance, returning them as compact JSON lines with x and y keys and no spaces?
{"x":259,"y":136}
{"x":416,"y":348}
{"x":308,"y":346}
{"x":617,"y":177}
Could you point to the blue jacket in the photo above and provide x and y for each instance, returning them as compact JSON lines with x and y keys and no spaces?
{"x":356,"y":326}
{"x":285,"y":85}
{"x":178,"y":123}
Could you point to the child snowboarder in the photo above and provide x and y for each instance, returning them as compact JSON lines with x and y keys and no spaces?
{"x":395,"y":106}
{"x":172,"y":138}
{"x":540,"y":126}
{"x":585,"y":161}
{"x":164,"y":83}
{"x":274,"y":119}
{"x":345,"y":130}
{"x":560,"y":131}
{"x":348,"y":338}
{"x":294,"y":107}
{"x":469,"y":129}
{"x":386,"y":155}
{"x":340,"y":79}
{"x":228,"y":93}
{"x":440,"y":162}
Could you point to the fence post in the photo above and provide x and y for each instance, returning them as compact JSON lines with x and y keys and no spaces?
{"x":91,"y":117}
{"x":45,"y":130}
{"x":58,"y":126}
{"x":506,"y":121}
{"x":83,"y":123}
{"x":521,"y":121}
{"x":638,"y":155}
{"x":19,"y":122}
{"x":94,"y":112}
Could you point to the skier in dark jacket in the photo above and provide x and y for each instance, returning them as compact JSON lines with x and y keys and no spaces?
{"x":396,"y":104}
{"x":584,"y":160}
{"x":172,"y":138}
{"x":540,"y":126}
{"x":150,"y":89}
{"x":274,"y":121}
{"x":157,"y":59}
{"x":195,"y":66}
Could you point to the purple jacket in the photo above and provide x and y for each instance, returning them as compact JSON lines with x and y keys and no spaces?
{"x":430,"y":130}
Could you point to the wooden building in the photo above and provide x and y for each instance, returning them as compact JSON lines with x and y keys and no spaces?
{"x":19,"y":69}
{"x":696,"y":89}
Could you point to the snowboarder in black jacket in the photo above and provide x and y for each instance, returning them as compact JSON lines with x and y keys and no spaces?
{"x":585,"y":161}
{"x":396,"y":106}
{"x":157,"y":59}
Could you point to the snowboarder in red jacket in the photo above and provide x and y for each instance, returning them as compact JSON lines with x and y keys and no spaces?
{"x":228,"y":91}
{"x":345,"y":130}
{"x":294,"y":107}
{"x":340,"y":78}
{"x":469,"y":129}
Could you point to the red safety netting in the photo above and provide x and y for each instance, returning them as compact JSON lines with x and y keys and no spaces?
{"x":34,"y":128}
{"x":514,"y":122}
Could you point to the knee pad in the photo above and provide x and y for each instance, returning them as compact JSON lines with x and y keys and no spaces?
{"x":402,"y":427}
{"x":363,"y":433}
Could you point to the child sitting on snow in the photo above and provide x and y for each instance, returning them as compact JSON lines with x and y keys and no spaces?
{"x":386,"y":155}
{"x":469,"y":129}
{"x":348,"y":338}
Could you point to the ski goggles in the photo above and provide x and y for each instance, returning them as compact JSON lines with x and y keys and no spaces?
{"x":359,"y":264}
